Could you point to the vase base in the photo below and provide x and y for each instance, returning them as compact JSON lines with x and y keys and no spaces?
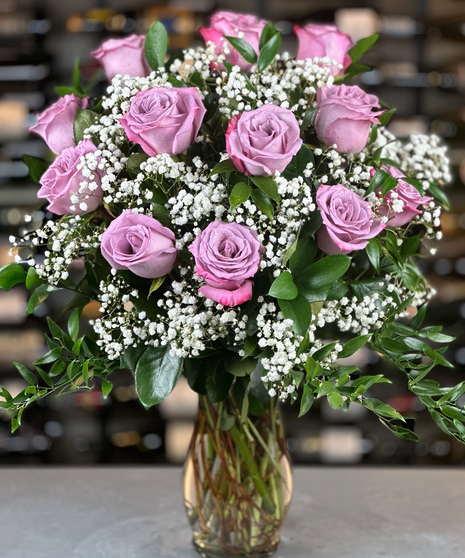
{"x":227,"y":553}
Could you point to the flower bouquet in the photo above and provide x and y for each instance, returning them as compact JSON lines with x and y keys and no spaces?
{"x":243,"y":218}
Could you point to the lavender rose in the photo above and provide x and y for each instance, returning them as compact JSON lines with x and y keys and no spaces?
{"x":139,"y":243}
{"x":230,"y":24}
{"x":164,"y":120}
{"x":123,"y":56}
{"x":263,"y":141}
{"x":318,"y":41}
{"x":56,"y":124}
{"x":226,"y":256}
{"x":344,"y":117}
{"x":348,"y":222}
{"x":406,"y":194}
{"x":61,"y":183}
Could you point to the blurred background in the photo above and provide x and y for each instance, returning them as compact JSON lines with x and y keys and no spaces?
{"x":420,"y":69}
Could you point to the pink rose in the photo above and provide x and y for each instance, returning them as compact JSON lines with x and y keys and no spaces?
{"x":56,"y":124}
{"x":263,"y":141}
{"x":123,"y":56}
{"x":318,"y":41}
{"x":164,"y":120}
{"x":139,"y":243}
{"x":407,"y":194}
{"x":348,"y":222}
{"x":230,"y":24}
{"x":226,"y":256}
{"x":61,"y":183}
{"x":344,"y":117}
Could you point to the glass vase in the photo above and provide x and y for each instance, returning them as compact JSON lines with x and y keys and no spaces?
{"x":237,"y":480}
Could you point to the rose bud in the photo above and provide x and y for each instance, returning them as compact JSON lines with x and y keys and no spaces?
{"x":405,"y":193}
{"x":344,"y":117}
{"x":164,"y":120}
{"x":123,"y":56}
{"x":348,"y":222}
{"x":319,"y":41}
{"x":62,"y":183}
{"x":263,"y":141}
{"x":56,"y":124}
{"x":226,"y":256}
{"x":140,"y":244}
{"x":230,"y":24}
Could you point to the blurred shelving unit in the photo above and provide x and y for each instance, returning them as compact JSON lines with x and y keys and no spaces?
{"x":420,"y":68}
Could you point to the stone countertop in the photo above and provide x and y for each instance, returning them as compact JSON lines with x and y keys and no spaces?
{"x":137,"y":512}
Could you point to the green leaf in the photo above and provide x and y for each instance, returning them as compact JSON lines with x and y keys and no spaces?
{"x":161,"y":214}
{"x":401,"y":329}
{"x":303,"y":256}
{"x":135,"y":160}
{"x":308,"y":119}
{"x":237,"y":366}
{"x":268,"y":186}
{"x":39,"y":295}
{"x":322,"y":273}
{"x":239,"y":194}
{"x":45,"y":377}
{"x":156,"y":284}
{"x":223,"y":167}
{"x":441,"y":421}
{"x":58,"y":367}
{"x":299,"y":162}
{"x":437,"y":358}
{"x":410,"y":246}
{"x":85,"y":371}
{"x":268,"y":52}
{"x":36,"y":167}
{"x":401,"y":432}
{"x":307,"y":400}
{"x":312,"y":368}
{"x":65,"y":90}
{"x":10,"y":275}
{"x":453,"y":412}
{"x":84,"y":119}
{"x":217,"y":383}
{"x":455,"y":393}
{"x":376,"y":180}
{"x":415,"y":183}
{"x":439,"y":194}
{"x":417,"y":320}
{"x":324,"y":351}
{"x":354,"y":345}
{"x":374,"y":252}
{"x":25,"y":373}
{"x":51,"y":356}
{"x":33,"y":279}
{"x":355,"y":69}
{"x":440,"y":338}
{"x":263,"y":202}
{"x":386,"y":116}
{"x":382,"y":409}
{"x":368,"y":381}
{"x":268,"y":32}
{"x":107,"y":386}
{"x":156,"y":45}
{"x":283,"y":287}
{"x":156,"y":374}
{"x":243,"y":48}
{"x":73,"y":323}
{"x":389,"y":184}
{"x":335,"y":399}
{"x":299,"y":311}
{"x":362,"y":46}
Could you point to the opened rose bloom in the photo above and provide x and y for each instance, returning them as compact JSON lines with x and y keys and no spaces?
{"x":164,"y":120}
{"x":401,"y":203}
{"x":123,"y":56}
{"x":348,"y":221}
{"x":263,"y":141}
{"x":227,"y":255}
{"x":66,"y":188}
{"x":139,"y":243}
{"x":319,"y":41}
{"x":344,"y":117}
{"x":229,"y":24}
{"x":56,"y":124}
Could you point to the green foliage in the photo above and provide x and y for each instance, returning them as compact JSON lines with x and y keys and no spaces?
{"x":362,"y":46}
{"x":268,"y":52}
{"x":156,"y":45}
{"x":10,"y":275}
{"x":243,"y":48}
{"x":239,"y":194}
{"x":156,"y":374}
{"x":283,"y":287}
{"x":84,"y":119}
{"x":36,"y":167}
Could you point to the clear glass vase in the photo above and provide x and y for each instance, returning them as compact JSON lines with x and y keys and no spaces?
{"x":237,"y":480}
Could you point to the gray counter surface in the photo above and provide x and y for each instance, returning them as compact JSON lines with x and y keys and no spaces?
{"x":136,"y":512}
